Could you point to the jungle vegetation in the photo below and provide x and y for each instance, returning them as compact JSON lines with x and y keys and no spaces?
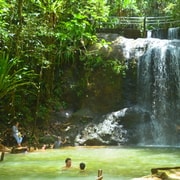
{"x":42,"y":40}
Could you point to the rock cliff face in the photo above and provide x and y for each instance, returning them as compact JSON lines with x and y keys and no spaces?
{"x":141,"y":108}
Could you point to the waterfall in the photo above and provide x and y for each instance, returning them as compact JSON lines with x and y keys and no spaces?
{"x":159,"y":90}
{"x":170,"y":33}
{"x":150,"y":115}
{"x":149,"y":33}
{"x":174,"y":33}
{"x":154,"y":119}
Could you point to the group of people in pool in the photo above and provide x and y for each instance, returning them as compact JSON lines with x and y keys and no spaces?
{"x":68,"y":162}
{"x":68,"y":165}
{"x":82,"y":168}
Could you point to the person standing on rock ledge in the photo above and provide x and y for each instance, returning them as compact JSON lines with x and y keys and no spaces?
{"x":16,"y":134}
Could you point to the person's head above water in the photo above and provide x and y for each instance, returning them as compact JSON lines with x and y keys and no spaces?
{"x":82,"y":166}
{"x":68,"y":162}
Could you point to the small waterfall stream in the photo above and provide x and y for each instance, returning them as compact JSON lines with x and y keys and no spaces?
{"x":174,"y":33}
{"x":170,"y":33}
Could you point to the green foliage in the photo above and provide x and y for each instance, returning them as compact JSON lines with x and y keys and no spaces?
{"x":52,"y":36}
{"x":3,"y":22}
{"x":143,"y":7}
{"x":10,"y":78}
{"x":96,"y":58}
{"x":117,"y":66}
{"x":173,"y":9}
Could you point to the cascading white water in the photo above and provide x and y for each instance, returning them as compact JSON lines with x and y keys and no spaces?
{"x":170,"y":33}
{"x":159,"y":90}
{"x":174,"y":33}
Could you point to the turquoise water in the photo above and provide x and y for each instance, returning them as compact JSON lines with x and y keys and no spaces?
{"x":122,"y":163}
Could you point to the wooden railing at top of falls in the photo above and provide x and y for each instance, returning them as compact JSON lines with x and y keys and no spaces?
{"x":141,"y":23}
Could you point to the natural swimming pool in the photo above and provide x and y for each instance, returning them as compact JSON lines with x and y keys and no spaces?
{"x":117,"y":162}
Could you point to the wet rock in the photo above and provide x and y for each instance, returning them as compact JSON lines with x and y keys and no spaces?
{"x":106,"y":132}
